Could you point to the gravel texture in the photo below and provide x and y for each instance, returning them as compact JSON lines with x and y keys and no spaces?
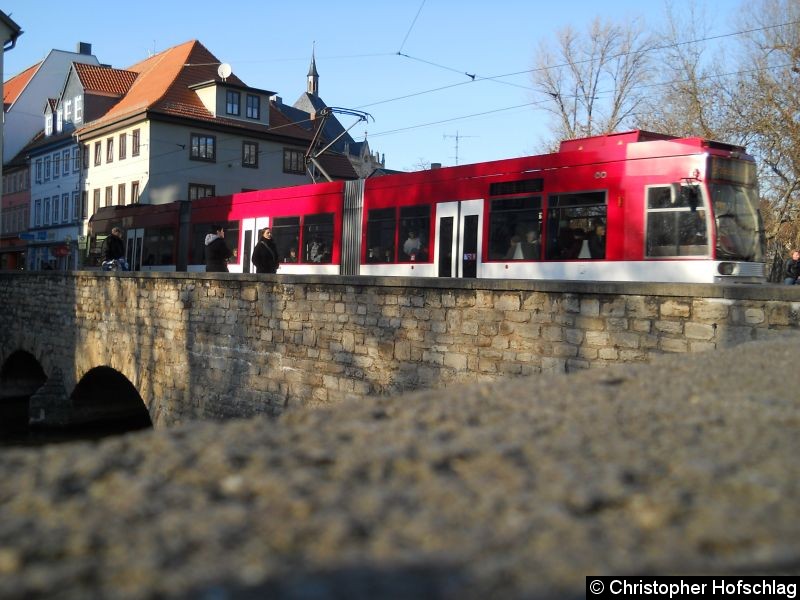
{"x":520,"y":489}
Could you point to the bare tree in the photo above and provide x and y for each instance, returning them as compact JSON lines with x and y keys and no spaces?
{"x":688,"y":98}
{"x":748,"y":93}
{"x":769,"y":107}
{"x":592,"y":82}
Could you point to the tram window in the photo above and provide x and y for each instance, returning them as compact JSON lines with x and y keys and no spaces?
{"x":197,"y":255}
{"x":318,"y":238}
{"x":159,"y":247}
{"x":286,"y":233}
{"x":573,"y":221}
{"x":381,"y":224}
{"x":515,"y":228}
{"x":415,"y":226}
{"x":674,"y":229}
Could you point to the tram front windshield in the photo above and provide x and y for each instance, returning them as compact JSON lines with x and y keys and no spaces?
{"x":740,"y":234}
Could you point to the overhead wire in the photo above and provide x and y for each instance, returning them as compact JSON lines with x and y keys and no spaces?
{"x":414,"y":22}
{"x":569,"y":97}
{"x":479,"y":78}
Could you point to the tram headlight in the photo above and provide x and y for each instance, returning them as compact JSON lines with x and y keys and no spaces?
{"x":726,"y":268}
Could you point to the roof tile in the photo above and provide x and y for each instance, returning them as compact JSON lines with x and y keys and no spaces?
{"x":14,"y":86}
{"x":104,"y":80}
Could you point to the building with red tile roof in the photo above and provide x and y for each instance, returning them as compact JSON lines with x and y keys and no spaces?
{"x":180,"y":131}
{"x":25,"y":94}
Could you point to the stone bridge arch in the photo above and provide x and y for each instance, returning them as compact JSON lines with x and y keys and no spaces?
{"x":30,"y":395}
{"x":105,"y":394}
{"x":21,"y":374}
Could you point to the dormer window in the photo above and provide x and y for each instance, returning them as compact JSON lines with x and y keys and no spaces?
{"x":59,"y":120}
{"x":253,"y":107}
{"x":48,"y":124}
{"x":232,"y":100}
{"x":68,"y":111}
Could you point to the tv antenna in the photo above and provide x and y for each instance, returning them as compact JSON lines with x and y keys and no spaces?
{"x":457,"y":137}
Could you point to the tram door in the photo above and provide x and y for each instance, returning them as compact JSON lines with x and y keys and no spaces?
{"x":133,"y":248}
{"x":250,"y":229}
{"x":457,"y":233}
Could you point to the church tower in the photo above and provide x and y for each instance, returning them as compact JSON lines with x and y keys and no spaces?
{"x":313,"y":77}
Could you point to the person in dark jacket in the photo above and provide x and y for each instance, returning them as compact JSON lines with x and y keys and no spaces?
{"x":217,"y":251}
{"x":597,"y":241}
{"x":265,"y":254}
{"x":791,"y":269}
{"x":114,"y":250}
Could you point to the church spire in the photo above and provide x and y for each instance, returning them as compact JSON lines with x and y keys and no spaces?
{"x":313,"y":76}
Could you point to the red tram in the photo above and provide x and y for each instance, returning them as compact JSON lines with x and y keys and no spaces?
{"x":634,"y":206}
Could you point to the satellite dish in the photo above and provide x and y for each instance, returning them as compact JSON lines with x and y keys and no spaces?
{"x":224,"y":71}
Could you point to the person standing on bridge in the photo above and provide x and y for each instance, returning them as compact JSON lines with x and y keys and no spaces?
{"x":114,"y":251}
{"x":791,"y":269}
{"x":265,"y":254}
{"x":217,"y":251}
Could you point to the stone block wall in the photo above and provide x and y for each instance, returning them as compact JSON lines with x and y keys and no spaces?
{"x":200,"y":346}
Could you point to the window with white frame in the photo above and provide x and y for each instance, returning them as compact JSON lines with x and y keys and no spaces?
{"x":59,"y":120}
{"x":56,"y":165}
{"x":123,"y":145}
{"x":76,"y":206}
{"x":64,"y":208}
{"x":68,"y":111}
{"x":110,"y":150}
{"x":37,"y":213}
{"x":78,"y":109}
{"x":48,"y":124}
{"x":39,"y":171}
{"x":47,"y":168}
{"x":65,"y":162}
{"x":46,"y":211}
{"x":76,"y":160}
{"x":56,"y":205}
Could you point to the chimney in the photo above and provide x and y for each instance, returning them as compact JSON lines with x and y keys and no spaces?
{"x":436,"y":166}
{"x":84,"y":48}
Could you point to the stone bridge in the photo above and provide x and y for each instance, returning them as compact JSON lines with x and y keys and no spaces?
{"x":174,"y":347}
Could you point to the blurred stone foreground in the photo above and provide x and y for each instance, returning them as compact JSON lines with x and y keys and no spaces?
{"x":518,"y":489}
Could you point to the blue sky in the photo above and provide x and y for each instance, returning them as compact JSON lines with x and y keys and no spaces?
{"x":269,"y":46}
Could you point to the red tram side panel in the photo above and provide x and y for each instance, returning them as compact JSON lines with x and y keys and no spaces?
{"x":625,"y":207}
{"x":306,"y":224}
{"x":633,"y":206}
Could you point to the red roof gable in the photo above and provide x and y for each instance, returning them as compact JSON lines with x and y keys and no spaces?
{"x":14,"y":86}
{"x":104,"y":80}
{"x":162,"y":83}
